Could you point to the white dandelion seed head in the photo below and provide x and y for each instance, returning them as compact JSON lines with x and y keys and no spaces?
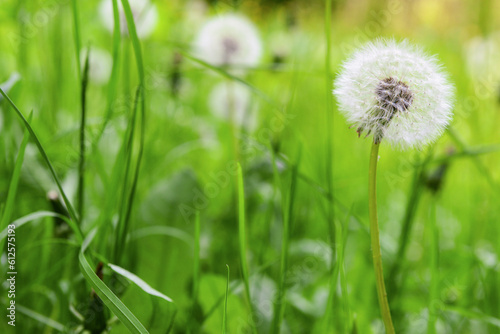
{"x":100,"y":64}
{"x":144,"y":12}
{"x":230,"y":101}
{"x":396,"y":92}
{"x":229,"y":40}
{"x":482,"y":55}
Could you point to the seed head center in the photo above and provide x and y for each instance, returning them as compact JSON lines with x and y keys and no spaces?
{"x":230,"y":47}
{"x":393,"y":95}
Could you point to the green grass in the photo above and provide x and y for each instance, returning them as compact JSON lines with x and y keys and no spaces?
{"x":288,"y":213}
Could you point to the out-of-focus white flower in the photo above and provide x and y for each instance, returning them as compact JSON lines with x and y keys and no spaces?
{"x":100,"y":64}
{"x":395,"y":92}
{"x":7,"y":85}
{"x":231,"y":101}
{"x":482,"y":56}
{"x":229,"y":40}
{"x":195,"y":12}
{"x":144,"y":12}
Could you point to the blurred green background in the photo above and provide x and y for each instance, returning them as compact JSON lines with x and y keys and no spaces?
{"x":301,"y":164}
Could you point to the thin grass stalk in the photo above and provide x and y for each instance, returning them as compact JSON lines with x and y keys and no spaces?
{"x":76,"y":36}
{"x":329,"y":160}
{"x":434,"y":267}
{"x":81,"y":162}
{"x":113,"y":81}
{"x":375,"y":240}
{"x":279,"y":306}
{"x":242,"y":243}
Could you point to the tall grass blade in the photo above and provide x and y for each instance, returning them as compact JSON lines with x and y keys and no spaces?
{"x":71,"y":211}
{"x":107,"y":296}
{"x":224,"y":317}
{"x":279,"y":306}
{"x":81,"y":162}
{"x":14,"y":182}
{"x":243,"y":242}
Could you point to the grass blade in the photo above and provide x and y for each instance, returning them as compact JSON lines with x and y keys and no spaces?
{"x":42,"y":319}
{"x":107,"y":296}
{"x":279,"y":305}
{"x":139,"y":282}
{"x":135,"y":39}
{"x":243,"y":241}
{"x":14,"y":182}
{"x":42,"y":214}
{"x":76,"y":36}
{"x":71,"y":211}
{"x":81,"y":162}
{"x":224,"y":317}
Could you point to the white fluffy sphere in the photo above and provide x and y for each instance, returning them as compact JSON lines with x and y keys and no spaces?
{"x":229,"y":40}
{"x":395,"y":92}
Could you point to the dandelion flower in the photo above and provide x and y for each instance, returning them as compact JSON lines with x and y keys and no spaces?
{"x":229,"y":40}
{"x":144,"y":12}
{"x":395,"y":92}
{"x":482,"y":54}
{"x":231,"y":102}
{"x":100,"y":64}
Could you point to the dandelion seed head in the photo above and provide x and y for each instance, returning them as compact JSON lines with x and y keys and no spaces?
{"x":229,"y":40}
{"x":144,"y":12}
{"x":230,"y":101}
{"x":395,"y":92}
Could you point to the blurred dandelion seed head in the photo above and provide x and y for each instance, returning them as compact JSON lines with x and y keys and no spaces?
{"x":230,"y":101}
{"x":395,"y":92}
{"x":144,"y":12}
{"x":229,"y":40}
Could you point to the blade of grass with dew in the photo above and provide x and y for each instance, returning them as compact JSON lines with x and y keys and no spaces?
{"x":14,"y":182}
{"x":81,"y":162}
{"x":224,"y":317}
{"x":243,"y":242}
{"x":71,"y":211}
{"x":107,"y":296}
{"x":279,"y":305}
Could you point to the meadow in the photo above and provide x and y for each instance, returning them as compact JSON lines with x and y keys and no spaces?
{"x":146,"y":187}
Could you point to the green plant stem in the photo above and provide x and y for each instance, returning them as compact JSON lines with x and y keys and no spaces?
{"x":375,"y":240}
{"x":434,"y":284}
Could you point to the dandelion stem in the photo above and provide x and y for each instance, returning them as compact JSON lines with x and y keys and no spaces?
{"x":375,"y":239}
